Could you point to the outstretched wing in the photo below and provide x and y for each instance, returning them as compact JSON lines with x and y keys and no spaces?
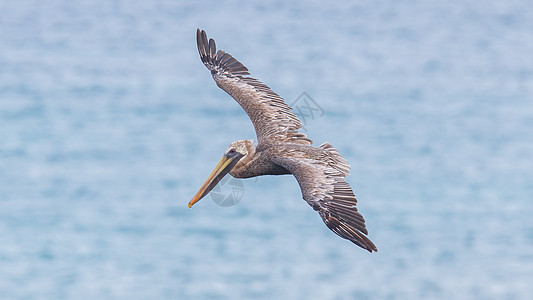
{"x":324,"y":187}
{"x":272,"y":118}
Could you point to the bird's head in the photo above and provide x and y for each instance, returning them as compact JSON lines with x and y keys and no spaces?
{"x":238,"y":154}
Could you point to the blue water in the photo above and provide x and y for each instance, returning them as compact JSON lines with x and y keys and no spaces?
{"x":109,"y":124}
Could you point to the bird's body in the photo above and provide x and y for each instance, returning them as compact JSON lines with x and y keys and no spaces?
{"x":281,"y":149}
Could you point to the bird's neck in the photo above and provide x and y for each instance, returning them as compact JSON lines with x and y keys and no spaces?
{"x":257,"y":164}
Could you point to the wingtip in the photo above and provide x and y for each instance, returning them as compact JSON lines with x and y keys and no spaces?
{"x":199,"y":34}
{"x":217,"y":61}
{"x":203,"y":45}
{"x":372,"y":248}
{"x":364,"y":242}
{"x":369,"y":244}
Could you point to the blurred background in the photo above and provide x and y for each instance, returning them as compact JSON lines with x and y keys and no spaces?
{"x":109,"y":123}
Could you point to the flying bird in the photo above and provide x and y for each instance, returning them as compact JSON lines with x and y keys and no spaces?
{"x":320,"y":171}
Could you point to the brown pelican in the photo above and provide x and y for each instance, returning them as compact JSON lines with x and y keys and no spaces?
{"x":281,"y":149}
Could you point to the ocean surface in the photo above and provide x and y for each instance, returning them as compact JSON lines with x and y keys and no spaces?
{"x":109,"y":124}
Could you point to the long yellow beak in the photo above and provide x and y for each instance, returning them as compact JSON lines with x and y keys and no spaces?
{"x":224,"y":166}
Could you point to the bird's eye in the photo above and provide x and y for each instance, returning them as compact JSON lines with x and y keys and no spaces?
{"x":231,"y":151}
